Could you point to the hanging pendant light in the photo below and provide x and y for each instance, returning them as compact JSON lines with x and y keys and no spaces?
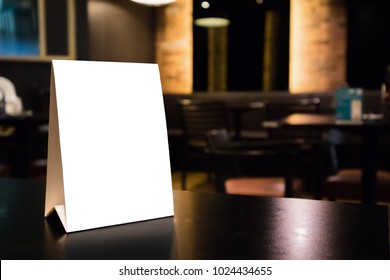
{"x":211,"y":15}
{"x":212,"y":22}
{"x":154,"y":2}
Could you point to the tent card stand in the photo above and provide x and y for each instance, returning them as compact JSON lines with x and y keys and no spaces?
{"x":108,"y":156}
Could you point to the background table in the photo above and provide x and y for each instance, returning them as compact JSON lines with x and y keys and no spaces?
{"x":369,"y":131}
{"x":205,"y":226}
{"x":238,"y":110}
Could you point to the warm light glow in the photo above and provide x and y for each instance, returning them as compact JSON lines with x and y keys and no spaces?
{"x":212,"y":22}
{"x":317,"y":46}
{"x":174,"y":47}
{"x":302,"y":235}
{"x":154,"y":2}
{"x":205,"y":5}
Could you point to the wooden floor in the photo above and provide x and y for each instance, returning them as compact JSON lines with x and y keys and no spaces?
{"x":196,"y":181}
{"x":199,"y":181}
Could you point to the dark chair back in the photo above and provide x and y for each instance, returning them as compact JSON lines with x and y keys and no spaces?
{"x":234,"y":158}
{"x":218,"y":140}
{"x":311,"y":139}
{"x":199,"y":117}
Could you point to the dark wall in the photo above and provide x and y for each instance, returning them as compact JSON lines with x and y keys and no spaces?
{"x":121,"y":31}
{"x":32,"y":78}
{"x":368,"y":42}
{"x":56,"y":24}
{"x":367,"y":52}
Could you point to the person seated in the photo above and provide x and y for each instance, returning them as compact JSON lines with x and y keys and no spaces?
{"x":9,"y":101}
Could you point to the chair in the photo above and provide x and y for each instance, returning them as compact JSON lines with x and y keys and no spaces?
{"x":231,"y":157}
{"x":346,"y":182}
{"x":198,"y":117}
{"x":311,"y":139}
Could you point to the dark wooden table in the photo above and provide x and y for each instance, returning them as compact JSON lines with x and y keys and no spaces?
{"x":369,"y":131}
{"x":238,"y":109}
{"x":205,"y":226}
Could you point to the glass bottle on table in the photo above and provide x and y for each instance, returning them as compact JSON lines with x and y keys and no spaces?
{"x":385,"y":92}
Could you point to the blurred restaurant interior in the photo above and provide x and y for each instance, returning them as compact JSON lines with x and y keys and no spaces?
{"x":268,"y":52}
{"x":249,"y":88}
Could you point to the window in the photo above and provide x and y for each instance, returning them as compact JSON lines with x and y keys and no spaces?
{"x":37,"y":29}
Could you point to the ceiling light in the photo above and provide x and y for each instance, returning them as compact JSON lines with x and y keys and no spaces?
{"x":205,"y":5}
{"x":212,"y":22}
{"x":211,"y":14}
{"x":154,"y":2}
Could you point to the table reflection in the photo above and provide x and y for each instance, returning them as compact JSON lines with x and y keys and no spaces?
{"x":205,"y":226}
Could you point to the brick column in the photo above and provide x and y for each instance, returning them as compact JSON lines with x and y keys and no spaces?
{"x":318,"y":43}
{"x":174,"y":50}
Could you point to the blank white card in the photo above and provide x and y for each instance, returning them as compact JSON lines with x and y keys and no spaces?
{"x":108,"y":156}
